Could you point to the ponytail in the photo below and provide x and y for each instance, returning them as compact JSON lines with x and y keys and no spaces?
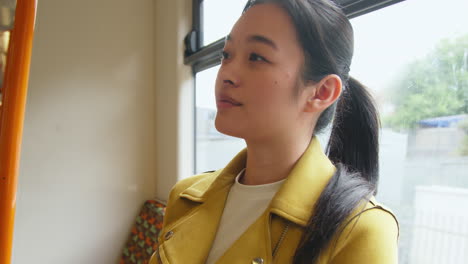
{"x":354,"y":140}
{"x":353,"y":148}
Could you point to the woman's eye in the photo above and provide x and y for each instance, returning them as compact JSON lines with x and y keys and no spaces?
{"x":224,"y":55}
{"x":256,"y":57}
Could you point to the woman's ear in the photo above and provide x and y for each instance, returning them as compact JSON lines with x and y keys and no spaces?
{"x":324,"y":93}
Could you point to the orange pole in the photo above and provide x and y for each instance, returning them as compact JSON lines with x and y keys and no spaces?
{"x":12,"y":117}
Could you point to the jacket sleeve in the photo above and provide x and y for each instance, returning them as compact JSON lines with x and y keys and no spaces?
{"x":370,"y":238}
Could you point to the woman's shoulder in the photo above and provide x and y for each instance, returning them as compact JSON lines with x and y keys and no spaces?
{"x":370,"y":234}
{"x":373,"y":219}
{"x":189,"y":187}
{"x":204,"y":178}
{"x":192,"y":188}
{"x":380,"y":211}
{"x":378,"y":219}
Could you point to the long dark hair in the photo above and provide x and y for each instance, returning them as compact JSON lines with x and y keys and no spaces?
{"x":326,"y":37}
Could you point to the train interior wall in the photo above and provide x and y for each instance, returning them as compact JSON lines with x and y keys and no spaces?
{"x":108,"y":125}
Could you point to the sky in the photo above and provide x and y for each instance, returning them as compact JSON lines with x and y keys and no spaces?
{"x":385,"y":40}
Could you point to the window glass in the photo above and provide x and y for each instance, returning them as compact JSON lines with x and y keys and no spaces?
{"x":417,"y":68}
{"x":213,"y":149}
{"x":413,"y":56}
{"x":218,"y":18}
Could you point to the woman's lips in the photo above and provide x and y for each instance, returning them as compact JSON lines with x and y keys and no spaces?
{"x":226,"y":102}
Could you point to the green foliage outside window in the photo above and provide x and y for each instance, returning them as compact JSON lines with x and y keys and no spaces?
{"x":434,"y":86}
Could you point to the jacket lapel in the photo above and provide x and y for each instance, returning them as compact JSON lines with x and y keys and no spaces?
{"x":301,"y":190}
{"x":193,"y":234}
{"x":293,"y":203}
{"x":191,"y":237}
{"x":254,"y":243}
{"x":296,"y":197}
{"x":201,"y":190}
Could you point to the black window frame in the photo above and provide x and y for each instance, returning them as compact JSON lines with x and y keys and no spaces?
{"x":201,"y":57}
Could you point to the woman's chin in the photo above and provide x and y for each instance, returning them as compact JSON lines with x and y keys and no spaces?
{"x":228,"y":128}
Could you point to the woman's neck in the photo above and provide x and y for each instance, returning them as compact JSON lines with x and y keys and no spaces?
{"x":272,"y":162}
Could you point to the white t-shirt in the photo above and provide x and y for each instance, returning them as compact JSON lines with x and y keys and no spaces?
{"x":244,"y":205}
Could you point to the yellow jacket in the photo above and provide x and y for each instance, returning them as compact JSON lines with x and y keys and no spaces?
{"x":196,"y":204}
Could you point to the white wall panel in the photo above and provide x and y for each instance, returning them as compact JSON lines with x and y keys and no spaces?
{"x":89,"y":145}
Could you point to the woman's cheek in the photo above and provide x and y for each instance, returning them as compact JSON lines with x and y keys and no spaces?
{"x":272,"y":97}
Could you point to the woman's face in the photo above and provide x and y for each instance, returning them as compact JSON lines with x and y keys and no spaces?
{"x":259,"y":84}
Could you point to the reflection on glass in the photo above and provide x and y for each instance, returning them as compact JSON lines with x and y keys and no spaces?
{"x":7,"y":14}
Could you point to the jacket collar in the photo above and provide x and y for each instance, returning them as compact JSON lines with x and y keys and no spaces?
{"x":296,"y":197}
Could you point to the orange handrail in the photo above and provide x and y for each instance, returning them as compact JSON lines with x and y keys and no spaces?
{"x":12,"y":117}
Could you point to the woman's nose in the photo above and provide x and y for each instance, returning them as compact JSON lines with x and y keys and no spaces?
{"x":229,"y":73}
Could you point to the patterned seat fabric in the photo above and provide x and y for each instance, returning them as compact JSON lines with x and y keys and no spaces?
{"x":143,"y":240}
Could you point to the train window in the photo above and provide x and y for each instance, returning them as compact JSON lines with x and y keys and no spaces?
{"x":218,"y":17}
{"x":413,"y":56}
{"x":209,"y":142}
{"x":417,"y":69}
{"x":7,"y":14}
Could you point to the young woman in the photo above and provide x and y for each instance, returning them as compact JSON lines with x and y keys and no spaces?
{"x":283,"y":78}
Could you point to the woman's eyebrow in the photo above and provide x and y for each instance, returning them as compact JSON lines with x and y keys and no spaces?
{"x":259,"y":39}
